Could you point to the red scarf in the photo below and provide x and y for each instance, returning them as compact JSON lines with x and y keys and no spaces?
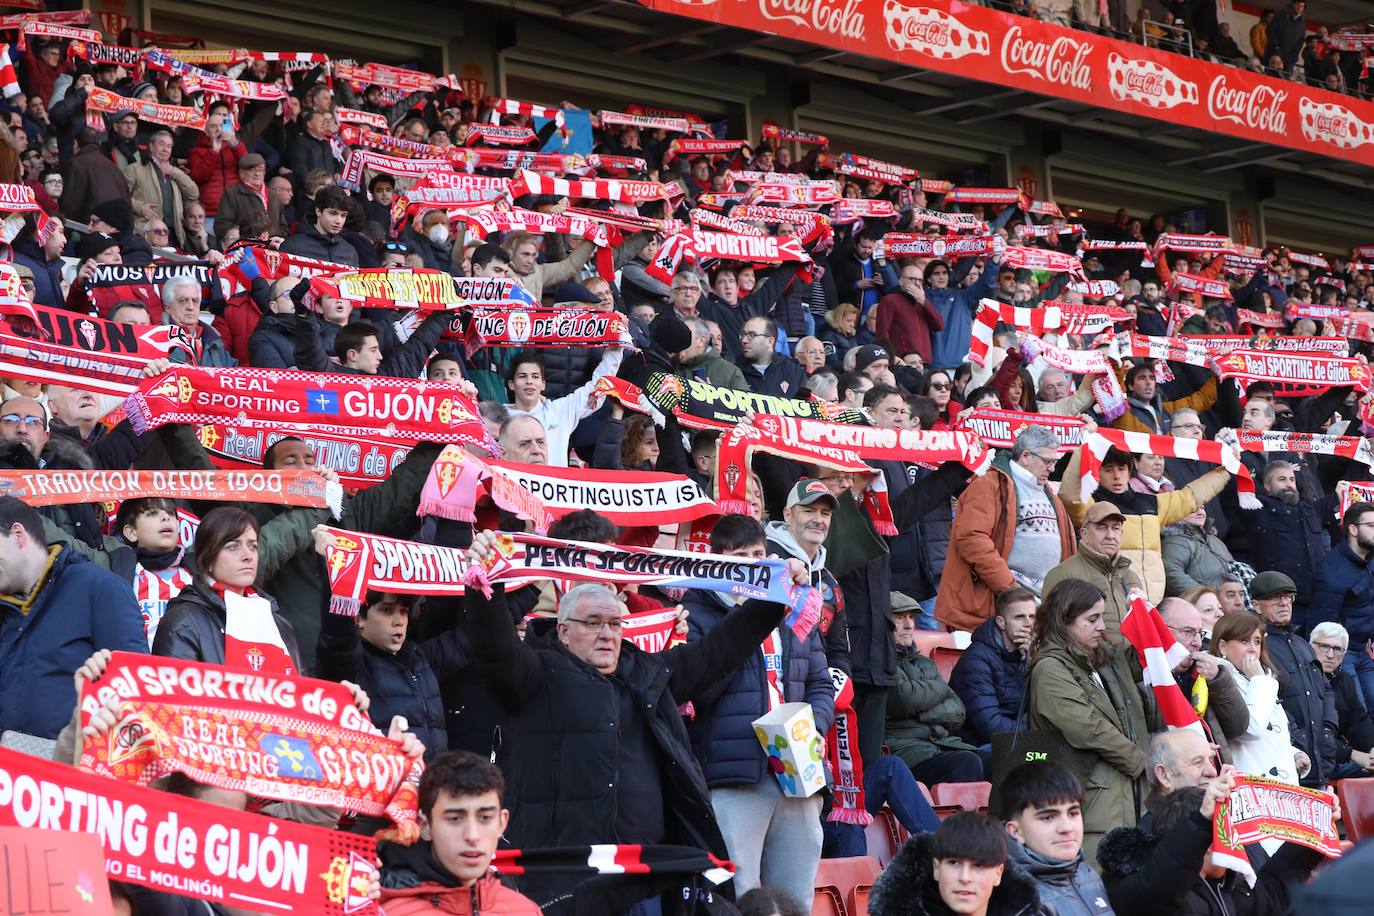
{"x":1096,"y":445}
{"x":984,"y":195}
{"x":1355,"y":448}
{"x":252,"y":640}
{"x":842,"y":749}
{"x":1159,"y":652}
{"x":289,"y":738}
{"x":1303,"y":373}
{"x":999,"y":428}
{"x":634,"y":192}
{"x":1064,"y":317}
{"x":1042,"y":259}
{"x":279,"y":400}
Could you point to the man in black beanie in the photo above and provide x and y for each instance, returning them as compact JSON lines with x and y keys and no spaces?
{"x":116,"y":218}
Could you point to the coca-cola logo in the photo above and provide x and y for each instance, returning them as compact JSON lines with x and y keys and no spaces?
{"x":1333,"y":124}
{"x":1063,"y":61}
{"x":1259,"y":108}
{"x":1144,"y":83}
{"x":931,"y":31}
{"x":840,"y":21}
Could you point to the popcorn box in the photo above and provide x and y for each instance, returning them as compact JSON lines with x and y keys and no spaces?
{"x":794,"y":748}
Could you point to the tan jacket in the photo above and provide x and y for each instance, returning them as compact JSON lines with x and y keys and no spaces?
{"x":146,"y":188}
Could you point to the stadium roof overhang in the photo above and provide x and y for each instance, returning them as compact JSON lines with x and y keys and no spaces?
{"x":1187,"y":133}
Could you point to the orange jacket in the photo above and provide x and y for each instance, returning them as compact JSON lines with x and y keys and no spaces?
{"x":976,"y":568}
{"x":493,"y":899}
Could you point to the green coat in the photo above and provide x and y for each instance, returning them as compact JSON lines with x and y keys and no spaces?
{"x":299,"y":584}
{"x":1113,"y":575}
{"x":1111,"y":723}
{"x":922,"y":711}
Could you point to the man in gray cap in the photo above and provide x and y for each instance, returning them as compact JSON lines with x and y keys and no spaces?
{"x":1099,"y":561}
{"x":801,"y":535}
{"x":1303,"y":688}
{"x":249,"y":195}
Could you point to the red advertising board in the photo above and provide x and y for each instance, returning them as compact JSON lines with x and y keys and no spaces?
{"x":996,"y":47}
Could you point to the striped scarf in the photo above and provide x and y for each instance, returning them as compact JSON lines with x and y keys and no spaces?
{"x":1096,"y":445}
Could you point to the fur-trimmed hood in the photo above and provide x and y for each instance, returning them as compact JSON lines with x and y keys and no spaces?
{"x":907,"y":887}
{"x":1124,"y":851}
{"x":60,"y":452}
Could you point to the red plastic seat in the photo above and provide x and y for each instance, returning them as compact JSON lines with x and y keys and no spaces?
{"x":928,"y":640}
{"x":945,"y":658}
{"x":882,"y":844}
{"x":857,"y":902}
{"x":968,"y":796}
{"x":828,"y":902}
{"x":845,"y":875}
{"x":1357,"y":807}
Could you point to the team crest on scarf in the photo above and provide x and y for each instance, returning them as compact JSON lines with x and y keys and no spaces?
{"x":347,"y":881}
{"x":732,"y":475}
{"x":519,"y":326}
{"x":446,"y":471}
{"x":255,"y":658}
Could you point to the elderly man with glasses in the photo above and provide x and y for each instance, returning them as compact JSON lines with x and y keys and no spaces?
{"x":1355,"y":730}
{"x":1220,"y":702}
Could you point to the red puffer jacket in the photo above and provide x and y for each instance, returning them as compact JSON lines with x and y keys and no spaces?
{"x":214,"y":172}
{"x":492,"y":898}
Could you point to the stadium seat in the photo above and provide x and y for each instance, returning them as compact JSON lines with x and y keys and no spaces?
{"x":925,"y":790}
{"x":828,"y":902}
{"x":844,"y":875}
{"x":945,"y":658}
{"x":1357,"y":807}
{"x":857,"y":901}
{"x":882,"y":845}
{"x":928,"y":640}
{"x":968,"y":796}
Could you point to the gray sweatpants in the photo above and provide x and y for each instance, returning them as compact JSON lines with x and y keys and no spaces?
{"x":774,"y":841}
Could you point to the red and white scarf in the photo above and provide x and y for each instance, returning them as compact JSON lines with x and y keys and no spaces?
{"x":626,"y":498}
{"x":1064,"y":317}
{"x":707,"y":220}
{"x":9,"y":77}
{"x":634,"y":192}
{"x":103,"y":101}
{"x":984,"y":195}
{"x":361,"y":161}
{"x":894,"y":174}
{"x":851,"y":209}
{"x":949,"y":247}
{"x":497,"y":135}
{"x":384,"y":75}
{"x":489,"y":221}
{"x":1159,"y":653}
{"x":1096,"y":445}
{"x":1042,"y":259}
{"x":959,"y":222}
{"x":280,"y":400}
{"x":772,"y":131}
{"x":1207,"y":287}
{"x":1305,"y":373}
{"x":810,"y":194}
{"x":842,"y":750}
{"x":805,"y":220}
{"x":1356,"y":448}
{"x":529,"y":109}
{"x":1173,"y":349}
{"x":362,"y":118}
{"x":1259,"y":319}
{"x":1315,"y":311}
{"x":645,"y":122}
{"x":252,"y":640}
{"x":1311,"y":260}
{"x":153,"y":590}
{"x":1192,"y":244}
{"x":524,"y":328}
{"x":689,"y":147}
{"x":999,"y":428}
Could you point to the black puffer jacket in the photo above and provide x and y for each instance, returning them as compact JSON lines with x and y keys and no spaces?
{"x":907,"y":887}
{"x":1158,"y":875}
{"x":311,"y":243}
{"x":568,"y":368}
{"x":273,"y":344}
{"x":566,"y":730}
{"x":404,"y":683}
{"x":1307,"y":698}
{"x":1290,"y":540}
{"x":194,"y":627}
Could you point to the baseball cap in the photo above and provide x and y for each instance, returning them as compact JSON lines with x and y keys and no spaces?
{"x":1101,"y":511}
{"x":869,"y":354}
{"x":807,"y":491}
{"x":1270,"y":583}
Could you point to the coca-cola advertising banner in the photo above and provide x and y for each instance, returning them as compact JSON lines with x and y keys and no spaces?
{"x":996,"y":47}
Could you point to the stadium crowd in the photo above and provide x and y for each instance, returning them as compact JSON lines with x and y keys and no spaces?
{"x":1133,"y":465}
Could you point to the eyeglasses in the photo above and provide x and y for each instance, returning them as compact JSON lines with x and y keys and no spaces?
{"x":13,"y":419}
{"x":597,"y":625}
{"x":1326,"y":648}
{"x":158,"y":230}
{"x":1187,"y":426}
{"x":394,"y":247}
{"x":750,"y":335}
{"x":940,"y":386}
{"x":1188,"y":633}
{"x":1049,"y":461}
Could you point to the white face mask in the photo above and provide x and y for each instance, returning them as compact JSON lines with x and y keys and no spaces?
{"x":438,"y":233}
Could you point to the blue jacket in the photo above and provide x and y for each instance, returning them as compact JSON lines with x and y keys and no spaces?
{"x":78,"y":609}
{"x":47,"y":275}
{"x":956,"y":306}
{"x":1343,"y":591}
{"x":991,"y":680}
{"x":722,"y":733}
